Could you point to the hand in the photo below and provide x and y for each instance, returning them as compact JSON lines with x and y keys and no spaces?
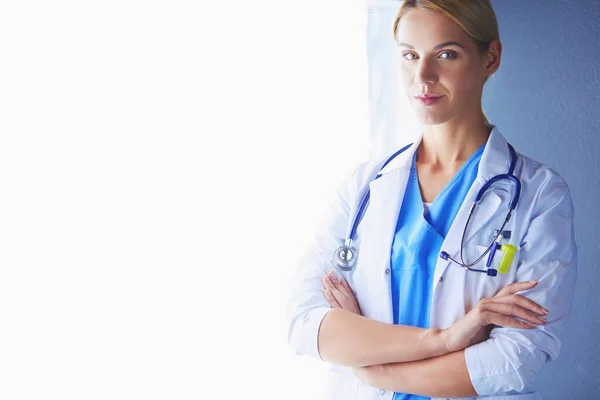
{"x":339,"y":295}
{"x":503,"y":310}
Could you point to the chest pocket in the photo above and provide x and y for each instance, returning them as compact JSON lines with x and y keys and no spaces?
{"x":479,"y":285}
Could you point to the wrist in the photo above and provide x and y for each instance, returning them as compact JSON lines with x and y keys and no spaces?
{"x":438,"y":341}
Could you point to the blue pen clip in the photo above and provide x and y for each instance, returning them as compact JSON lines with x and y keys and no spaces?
{"x":495,"y":247}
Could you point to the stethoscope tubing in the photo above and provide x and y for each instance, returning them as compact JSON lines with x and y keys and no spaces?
{"x":345,"y":256}
{"x":367,"y":196}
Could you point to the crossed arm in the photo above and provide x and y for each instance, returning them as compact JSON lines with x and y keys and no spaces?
{"x":509,"y":361}
{"x":432,"y":360}
{"x":473,"y":364}
{"x":443,"y":376}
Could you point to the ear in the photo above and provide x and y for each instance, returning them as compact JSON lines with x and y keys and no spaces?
{"x":492,"y":57}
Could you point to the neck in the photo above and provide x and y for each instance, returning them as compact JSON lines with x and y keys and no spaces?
{"x":452,"y":143}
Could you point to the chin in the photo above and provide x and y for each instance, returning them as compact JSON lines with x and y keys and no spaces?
{"x":430,"y":115}
{"x":431,"y":118}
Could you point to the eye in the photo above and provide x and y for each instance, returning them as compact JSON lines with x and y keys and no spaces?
{"x":409,"y":56}
{"x":448,"y":55}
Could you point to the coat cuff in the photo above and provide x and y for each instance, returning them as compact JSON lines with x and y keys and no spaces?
{"x":490,"y":370}
{"x":306,"y":332}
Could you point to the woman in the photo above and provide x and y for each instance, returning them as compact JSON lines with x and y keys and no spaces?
{"x":410,"y":319}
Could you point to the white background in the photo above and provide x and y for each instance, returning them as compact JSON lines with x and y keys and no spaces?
{"x":162,"y":167}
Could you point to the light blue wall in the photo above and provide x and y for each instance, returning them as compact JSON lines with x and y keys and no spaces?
{"x":544,"y":99}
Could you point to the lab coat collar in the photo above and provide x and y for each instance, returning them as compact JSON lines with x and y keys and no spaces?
{"x":495,"y":159}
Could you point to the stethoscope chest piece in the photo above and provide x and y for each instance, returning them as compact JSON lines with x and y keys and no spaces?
{"x":345,"y":258}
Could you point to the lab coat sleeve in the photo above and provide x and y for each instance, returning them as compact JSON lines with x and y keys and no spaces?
{"x":306,"y":306}
{"x":511,"y":358}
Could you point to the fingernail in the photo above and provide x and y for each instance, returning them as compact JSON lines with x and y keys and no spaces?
{"x":532,"y":282}
{"x":545,"y":311}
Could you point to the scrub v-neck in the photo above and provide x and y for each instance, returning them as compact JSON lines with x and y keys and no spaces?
{"x":437,"y":215}
{"x":417,"y":243}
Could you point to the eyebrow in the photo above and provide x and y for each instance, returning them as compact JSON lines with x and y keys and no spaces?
{"x":439,"y":46}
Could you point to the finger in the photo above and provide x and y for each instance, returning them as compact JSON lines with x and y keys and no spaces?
{"x":338,"y":290}
{"x":509,"y":322}
{"x":333,"y":278}
{"x":523,"y":302}
{"x":513,"y":310}
{"x":344,"y":297}
{"x":341,"y":297}
{"x":516,"y":287}
{"x":327,"y":282}
{"x":331,"y":300}
{"x":347,"y":286}
{"x":342,"y":286}
{"x":349,"y":290}
{"x":344,"y":303}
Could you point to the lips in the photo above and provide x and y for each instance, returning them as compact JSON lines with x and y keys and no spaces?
{"x":428,"y":96}
{"x":428,"y":99}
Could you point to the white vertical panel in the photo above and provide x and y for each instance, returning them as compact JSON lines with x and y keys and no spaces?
{"x":391,"y":119}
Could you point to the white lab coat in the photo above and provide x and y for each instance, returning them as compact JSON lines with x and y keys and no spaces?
{"x":503,"y":367}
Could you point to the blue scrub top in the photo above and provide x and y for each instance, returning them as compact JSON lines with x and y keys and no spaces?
{"x":417,"y":243}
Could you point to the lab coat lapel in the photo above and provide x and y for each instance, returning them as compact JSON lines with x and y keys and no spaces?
{"x":387,"y":194}
{"x":451,"y":244}
{"x":495,"y":160}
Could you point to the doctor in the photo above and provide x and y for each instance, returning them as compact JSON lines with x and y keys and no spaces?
{"x":416,"y":317}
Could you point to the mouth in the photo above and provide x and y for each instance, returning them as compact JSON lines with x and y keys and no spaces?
{"x":428,"y":99}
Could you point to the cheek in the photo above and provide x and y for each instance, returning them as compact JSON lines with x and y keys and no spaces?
{"x":462,"y":83}
{"x":406,"y":86}
{"x":405,"y":77}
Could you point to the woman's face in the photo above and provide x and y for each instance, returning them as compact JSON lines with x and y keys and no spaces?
{"x":439,"y":59}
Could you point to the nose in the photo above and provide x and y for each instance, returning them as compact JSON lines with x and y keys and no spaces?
{"x":425,"y":72}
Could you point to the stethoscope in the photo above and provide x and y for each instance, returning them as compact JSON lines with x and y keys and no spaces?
{"x":345,"y":257}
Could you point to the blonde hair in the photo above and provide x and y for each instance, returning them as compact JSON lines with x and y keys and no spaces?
{"x":475,"y":17}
